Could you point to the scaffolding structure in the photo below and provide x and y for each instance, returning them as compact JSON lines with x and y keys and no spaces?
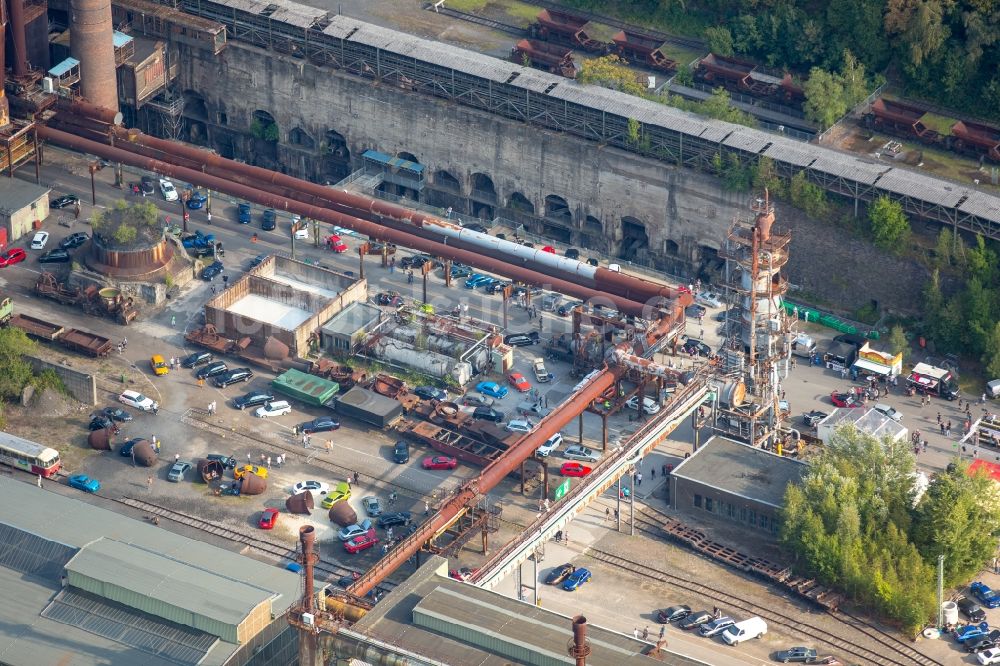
{"x":755,"y":356}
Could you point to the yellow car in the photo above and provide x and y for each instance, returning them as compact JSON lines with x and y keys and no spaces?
{"x":239,"y":472}
{"x":160,"y":366}
{"x":342,"y":491}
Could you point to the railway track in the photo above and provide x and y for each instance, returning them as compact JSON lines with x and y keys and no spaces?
{"x":650,"y":525}
{"x":269,"y":547}
{"x":889,"y":655}
{"x":483,"y":21}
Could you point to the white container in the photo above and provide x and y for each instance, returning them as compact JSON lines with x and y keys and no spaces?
{"x":950,"y":609}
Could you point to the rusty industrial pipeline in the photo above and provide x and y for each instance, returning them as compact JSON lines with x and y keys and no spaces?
{"x":307,"y":536}
{"x":579,"y":647}
{"x":403,"y":238}
{"x":19,"y":67}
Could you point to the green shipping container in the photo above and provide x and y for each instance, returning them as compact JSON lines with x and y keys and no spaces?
{"x":310,"y":389}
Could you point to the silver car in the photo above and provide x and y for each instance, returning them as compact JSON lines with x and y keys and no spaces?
{"x":577,"y":452}
{"x":176,"y":473}
{"x":371,"y":505}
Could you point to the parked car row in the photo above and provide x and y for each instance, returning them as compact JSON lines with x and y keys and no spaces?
{"x":713,"y":624}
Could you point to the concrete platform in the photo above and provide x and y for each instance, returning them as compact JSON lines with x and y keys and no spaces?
{"x":275,"y":313}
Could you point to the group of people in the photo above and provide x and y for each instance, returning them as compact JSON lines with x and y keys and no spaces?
{"x":265,"y":460}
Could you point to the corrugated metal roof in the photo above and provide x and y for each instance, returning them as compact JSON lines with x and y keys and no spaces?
{"x":340,"y":26}
{"x":31,"y":554}
{"x":921,"y":187}
{"x":120,"y":39}
{"x":534,"y":80}
{"x":848,"y":167}
{"x":353,"y":318}
{"x":982,"y":205}
{"x":249,"y":6}
{"x":16,"y":194}
{"x":179,"y":644}
{"x":165,"y":580}
{"x":64,"y":66}
{"x":791,"y":152}
{"x":296,"y":17}
{"x":715,"y":131}
{"x":748,"y":139}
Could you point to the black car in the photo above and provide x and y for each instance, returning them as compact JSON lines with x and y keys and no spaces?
{"x":460,"y":271}
{"x":74,"y":240}
{"x":233,"y":376}
{"x":127,"y":447}
{"x":396,"y":518}
{"x":430,"y":393}
{"x":401,"y":452}
{"x":694,"y":620}
{"x":989,"y":641}
{"x":252,"y":399}
{"x":521,"y":339}
{"x":57,"y":256}
{"x":100,"y":422}
{"x":672,"y":614}
{"x":559,"y":574}
{"x":147,"y":185}
{"x":212,"y":369}
{"x":257,"y":261}
{"x":116,"y":414}
{"x":389,"y":298}
{"x":971,"y":610}
{"x":270,"y":220}
{"x":488,"y":414}
{"x":64,"y":201}
{"x":564,"y":309}
{"x":227,"y":462}
{"x":694,"y":311}
{"x":572,"y":253}
{"x":692,"y":346}
{"x":496,"y":287}
{"x":813,"y":417}
{"x":212,"y":270}
{"x":475,"y":226}
{"x":521,"y":289}
{"x":201,"y":252}
{"x":195,"y":359}
{"x":417,"y":261}
{"x":319,"y":424}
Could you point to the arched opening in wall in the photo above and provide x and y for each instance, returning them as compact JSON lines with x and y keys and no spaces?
{"x":408,"y":156}
{"x":670,"y":248}
{"x":521,"y":203}
{"x":634,"y":238}
{"x":224,"y":144}
{"x":557,"y":209}
{"x":557,"y":233}
{"x":710,"y":264}
{"x":591,"y":225}
{"x":194,"y":105}
{"x":443,"y":180}
{"x":593,"y":242}
{"x":336,"y":158}
{"x":299,"y":137}
{"x":482,"y":211}
{"x":263,"y":127}
{"x":264,"y":131}
{"x":482,"y":188}
{"x":197,"y":132}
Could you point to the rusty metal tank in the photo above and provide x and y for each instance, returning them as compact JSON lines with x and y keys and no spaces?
{"x":100,"y":439}
{"x":210,"y":470}
{"x":342,"y":514}
{"x":143,"y":260}
{"x":92,"y":43}
{"x":253,"y":485}
{"x":275,"y":349}
{"x":303,"y":503}
{"x":144,"y":453}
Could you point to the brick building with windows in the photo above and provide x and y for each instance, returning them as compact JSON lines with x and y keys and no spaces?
{"x":729,"y":481}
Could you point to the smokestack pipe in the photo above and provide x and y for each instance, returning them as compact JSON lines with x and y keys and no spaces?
{"x":20,"y":64}
{"x":92,"y":43}
{"x":580,"y":649}
{"x":307,"y":535}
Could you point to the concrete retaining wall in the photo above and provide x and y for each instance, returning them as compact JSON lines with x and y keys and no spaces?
{"x":81,"y":385}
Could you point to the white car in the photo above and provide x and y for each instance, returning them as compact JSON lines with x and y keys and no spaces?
{"x":39,"y":240}
{"x":709,"y":299}
{"x":888,"y":411}
{"x":991,"y":656}
{"x":550,"y":445}
{"x":519,"y":425}
{"x":274,"y":408}
{"x":577,"y":452}
{"x":649,"y":405}
{"x":357,"y":529}
{"x":168,"y":190}
{"x":139,"y":401}
{"x":311,"y":486}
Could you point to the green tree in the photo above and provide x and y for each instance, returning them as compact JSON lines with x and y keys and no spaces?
{"x":765,"y":177}
{"x":807,"y":196}
{"x":981,"y":261}
{"x":720,"y":40}
{"x":825,"y":98}
{"x":898,"y":342}
{"x":611,"y":71}
{"x":919,"y":25}
{"x":853,"y":79}
{"x":719,"y":106}
{"x":890,"y":228}
{"x":15,"y":373}
{"x":959,"y":518}
{"x":942,"y":249}
{"x":979,"y":306}
{"x":991,"y":356}
{"x":125,"y":234}
{"x":632,"y":132}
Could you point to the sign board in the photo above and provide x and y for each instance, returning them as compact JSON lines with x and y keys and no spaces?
{"x":561,"y":490}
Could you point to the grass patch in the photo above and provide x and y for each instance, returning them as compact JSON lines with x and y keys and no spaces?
{"x":600,"y":32}
{"x":522,"y":11}
{"x":940,"y":124}
{"x":465,"y":5}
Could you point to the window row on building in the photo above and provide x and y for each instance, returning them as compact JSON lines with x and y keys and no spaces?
{"x":739,"y":513}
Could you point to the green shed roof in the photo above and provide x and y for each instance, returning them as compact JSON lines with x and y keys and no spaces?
{"x":308,"y":388}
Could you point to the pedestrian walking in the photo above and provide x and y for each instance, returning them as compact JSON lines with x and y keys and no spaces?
{"x":638,"y":479}
{"x":996,"y":565}
{"x":155,"y":443}
{"x":269,"y":462}
{"x":280,"y":459}
{"x":616,"y":515}
{"x":427,"y":508}
{"x":177,"y":457}
{"x":982,"y":399}
{"x":356,"y":477}
{"x":201,"y":382}
{"x":939,"y":418}
{"x":149,"y":482}
{"x":925,"y":446}
{"x":663,"y":631}
{"x":645,"y":633}
{"x":173,"y":320}
{"x":262,"y":458}
{"x":209,"y":216}
{"x":388,"y":533}
{"x":652,"y":473}
{"x":39,"y":482}
{"x":635,"y":632}
{"x":305,"y":441}
{"x":607,"y":514}
{"x":249,"y":460}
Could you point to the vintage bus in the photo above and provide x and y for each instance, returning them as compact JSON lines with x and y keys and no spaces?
{"x":28,"y":456}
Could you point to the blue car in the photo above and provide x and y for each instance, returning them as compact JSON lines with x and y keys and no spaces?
{"x":84,"y":483}
{"x":197,"y":240}
{"x":576,"y":579}
{"x":972,"y":632}
{"x":492,"y":389}
{"x":243,"y":213}
{"x":213,"y":269}
{"x":986,"y":596}
{"x":269,"y":221}
{"x":197,"y":200}
{"x":477,"y":280}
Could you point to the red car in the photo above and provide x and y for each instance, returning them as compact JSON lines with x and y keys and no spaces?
{"x":574,"y":469}
{"x":463,"y":574}
{"x":14,"y":255}
{"x":844,"y":400}
{"x":518,"y":381}
{"x":440,"y":462}
{"x":549,"y":249}
{"x":334,"y":244}
{"x":361,"y":542}
{"x":268,"y":517}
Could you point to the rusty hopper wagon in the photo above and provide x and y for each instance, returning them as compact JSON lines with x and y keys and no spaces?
{"x":37,"y":328}
{"x":744,"y":76}
{"x":90,"y":344}
{"x":900,"y":118}
{"x":648,"y":50}
{"x":977,"y":138}
{"x":557,"y":26}
{"x":107,"y":302}
{"x":550,"y":57}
